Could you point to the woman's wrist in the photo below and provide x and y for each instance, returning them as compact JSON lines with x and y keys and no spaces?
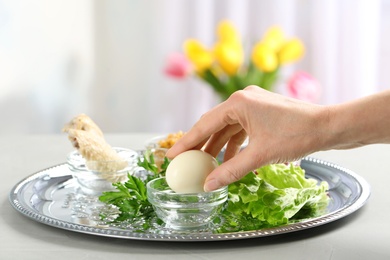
{"x":360,"y":122}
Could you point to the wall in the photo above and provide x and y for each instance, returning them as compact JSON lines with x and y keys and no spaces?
{"x":105,"y":58}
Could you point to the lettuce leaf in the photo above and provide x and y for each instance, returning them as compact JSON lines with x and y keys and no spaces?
{"x":271,"y":196}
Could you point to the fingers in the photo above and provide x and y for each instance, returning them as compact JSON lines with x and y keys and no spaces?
{"x":233,"y":169}
{"x":219,"y":139}
{"x":210,"y":123}
{"x":234,"y":145}
{"x":188,"y":142}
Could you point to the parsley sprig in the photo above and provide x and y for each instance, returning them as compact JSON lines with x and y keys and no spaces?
{"x":131,"y":197}
{"x":149,"y":164}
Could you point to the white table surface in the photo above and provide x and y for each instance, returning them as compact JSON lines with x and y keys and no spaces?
{"x":364,"y":234}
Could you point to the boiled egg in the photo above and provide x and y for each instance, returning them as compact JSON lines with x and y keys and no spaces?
{"x":187,"y":172}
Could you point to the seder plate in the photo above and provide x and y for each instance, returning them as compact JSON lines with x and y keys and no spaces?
{"x":52,"y":197}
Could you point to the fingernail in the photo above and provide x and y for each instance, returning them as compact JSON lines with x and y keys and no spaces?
{"x":211,"y":185}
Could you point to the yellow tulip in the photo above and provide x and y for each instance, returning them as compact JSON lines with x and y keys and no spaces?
{"x":229,"y":56}
{"x":200,"y":57}
{"x":227,"y":32}
{"x":274,"y":37}
{"x":264,"y":57}
{"x":292,"y":50}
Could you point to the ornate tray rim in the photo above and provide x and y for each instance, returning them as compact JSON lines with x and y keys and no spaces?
{"x":363,"y":196}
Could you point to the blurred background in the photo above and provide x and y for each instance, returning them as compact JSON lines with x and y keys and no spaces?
{"x":106,"y":58}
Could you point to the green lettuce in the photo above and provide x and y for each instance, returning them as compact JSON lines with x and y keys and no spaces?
{"x":271,"y":196}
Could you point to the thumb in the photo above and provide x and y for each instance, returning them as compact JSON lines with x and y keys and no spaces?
{"x":232,"y":170}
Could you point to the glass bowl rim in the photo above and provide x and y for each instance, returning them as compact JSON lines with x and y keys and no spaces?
{"x":202,"y":194}
{"x":71,"y":156}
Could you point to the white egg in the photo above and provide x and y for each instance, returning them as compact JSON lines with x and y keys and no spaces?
{"x":187,"y":172}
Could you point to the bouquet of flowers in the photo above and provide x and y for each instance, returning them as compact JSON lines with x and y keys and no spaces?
{"x":225,"y":67}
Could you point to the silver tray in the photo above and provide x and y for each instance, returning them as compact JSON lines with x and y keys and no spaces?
{"x":51,"y":197}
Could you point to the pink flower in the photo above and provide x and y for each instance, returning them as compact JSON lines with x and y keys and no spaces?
{"x":303,"y":86}
{"x":177,"y":66}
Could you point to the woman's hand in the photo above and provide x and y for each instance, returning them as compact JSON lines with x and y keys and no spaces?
{"x":280,"y":129}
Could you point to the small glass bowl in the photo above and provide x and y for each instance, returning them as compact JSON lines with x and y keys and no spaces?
{"x":184,"y":211}
{"x":93,"y":180}
{"x":153,"y":143}
{"x":152,"y":147}
{"x":165,"y":140}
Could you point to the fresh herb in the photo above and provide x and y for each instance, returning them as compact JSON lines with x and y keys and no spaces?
{"x":130,"y":198}
{"x":148,"y":163}
{"x":164,"y":166}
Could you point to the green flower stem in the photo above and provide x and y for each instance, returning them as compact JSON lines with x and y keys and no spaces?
{"x":210,"y":78}
{"x":217,"y":85}
{"x":234,"y":83}
{"x":253,"y":76}
{"x":269,"y":79}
